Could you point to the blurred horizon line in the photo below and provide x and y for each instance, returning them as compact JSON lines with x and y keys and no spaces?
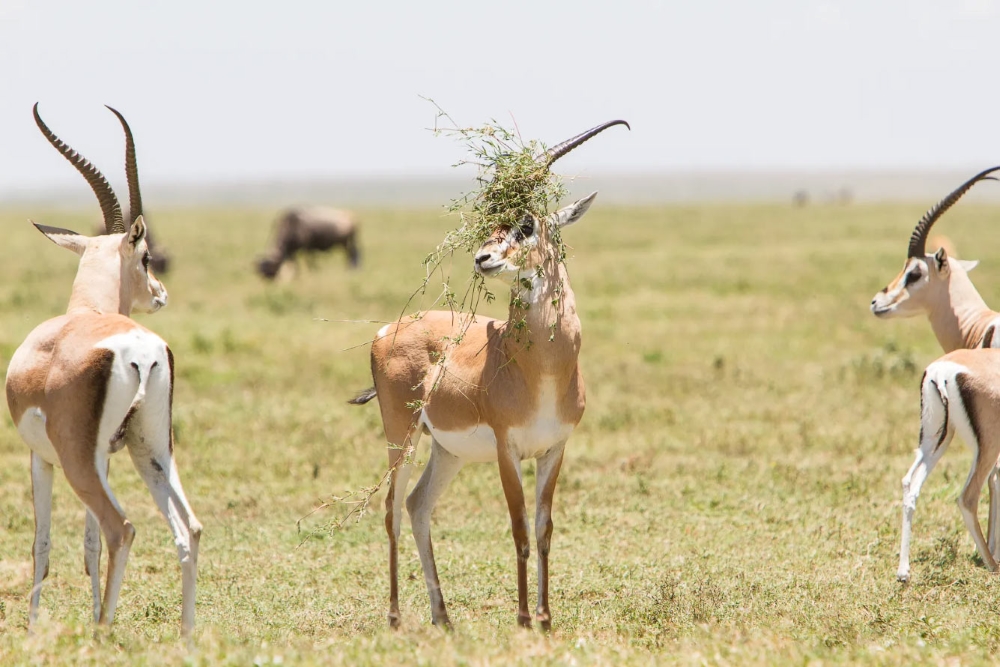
{"x":667,"y":186}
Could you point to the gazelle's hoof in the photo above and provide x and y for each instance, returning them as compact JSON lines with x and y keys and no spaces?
{"x":903,"y":577}
{"x":524,"y":621}
{"x":443,"y":623}
{"x":393,"y":620}
{"x":545,"y":623}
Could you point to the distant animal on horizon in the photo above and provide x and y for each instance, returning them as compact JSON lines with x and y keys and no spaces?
{"x":310,"y":230}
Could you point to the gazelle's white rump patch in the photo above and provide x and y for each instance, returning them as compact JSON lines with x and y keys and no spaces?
{"x":944,"y":374}
{"x":139,"y":354}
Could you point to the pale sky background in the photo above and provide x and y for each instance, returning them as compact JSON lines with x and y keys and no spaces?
{"x":229,"y":91}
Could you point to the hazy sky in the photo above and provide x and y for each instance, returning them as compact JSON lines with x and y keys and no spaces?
{"x":231,"y":90}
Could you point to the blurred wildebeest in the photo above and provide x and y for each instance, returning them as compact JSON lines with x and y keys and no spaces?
{"x":310,"y":230}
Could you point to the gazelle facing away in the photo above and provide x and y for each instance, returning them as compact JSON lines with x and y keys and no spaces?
{"x":86,"y":384}
{"x":493,"y":396}
{"x":939,"y":286}
{"x":959,"y":392}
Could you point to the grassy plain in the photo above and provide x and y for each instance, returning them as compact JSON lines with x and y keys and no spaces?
{"x":732,"y":495}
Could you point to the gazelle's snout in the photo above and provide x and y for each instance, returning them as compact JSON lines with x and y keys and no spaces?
{"x":489,"y":263}
{"x":159,"y":295}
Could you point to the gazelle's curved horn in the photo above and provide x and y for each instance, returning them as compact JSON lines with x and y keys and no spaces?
{"x":112,"y":211}
{"x":131,"y":171}
{"x":918,"y":239}
{"x":559,"y":150}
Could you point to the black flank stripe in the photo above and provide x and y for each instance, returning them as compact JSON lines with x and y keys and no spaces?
{"x":965,"y":391}
{"x":944,"y":424}
{"x":923,"y":379}
{"x":170,"y":403}
{"x":103,"y":361}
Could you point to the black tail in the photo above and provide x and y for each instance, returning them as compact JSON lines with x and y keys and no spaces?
{"x":364,"y":396}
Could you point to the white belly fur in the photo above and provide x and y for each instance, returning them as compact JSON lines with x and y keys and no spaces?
{"x":479,"y":443}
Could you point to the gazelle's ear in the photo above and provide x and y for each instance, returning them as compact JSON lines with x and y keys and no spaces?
{"x":136,"y":233}
{"x":567,"y":216}
{"x":64,"y":237}
{"x":941,"y":260}
{"x":967,"y":264}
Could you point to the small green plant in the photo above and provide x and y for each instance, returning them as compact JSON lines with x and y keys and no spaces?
{"x":512,"y":180}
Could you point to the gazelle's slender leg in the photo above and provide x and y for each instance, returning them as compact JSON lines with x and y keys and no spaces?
{"x":41,"y":497}
{"x":441,"y":469}
{"x":546,"y":474}
{"x":91,"y":485}
{"x":992,"y":528}
{"x":92,"y":555}
{"x":968,"y":503}
{"x":398,"y":479}
{"x":159,"y":472}
{"x":189,"y":568}
{"x":92,"y":559}
{"x":510,"y":478}
{"x":928,"y":455}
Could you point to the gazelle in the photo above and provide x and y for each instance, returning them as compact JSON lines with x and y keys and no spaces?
{"x":959,"y":392}
{"x":86,"y":384}
{"x":492,"y":396}
{"x":939,"y":286}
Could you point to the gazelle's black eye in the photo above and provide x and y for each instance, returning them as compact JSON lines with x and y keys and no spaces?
{"x":145,"y":260}
{"x":525,"y":228}
{"x":911,"y":277}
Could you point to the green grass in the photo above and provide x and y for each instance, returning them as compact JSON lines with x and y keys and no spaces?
{"x":732,"y":495}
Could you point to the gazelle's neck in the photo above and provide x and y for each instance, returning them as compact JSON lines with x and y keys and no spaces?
{"x":543,"y":327}
{"x":961,"y":321}
{"x":98,"y":287}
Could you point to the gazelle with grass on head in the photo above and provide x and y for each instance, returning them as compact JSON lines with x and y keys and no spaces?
{"x":86,"y":384}
{"x":496,"y":395}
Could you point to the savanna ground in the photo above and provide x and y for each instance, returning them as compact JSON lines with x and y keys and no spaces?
{"x":731,"y":496}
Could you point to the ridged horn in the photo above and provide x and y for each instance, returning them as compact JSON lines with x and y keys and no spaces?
{"x":559,"y":150}
{"x":131,"y":171}
{"x":918,"y":239}
{"x":112,"y":211}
